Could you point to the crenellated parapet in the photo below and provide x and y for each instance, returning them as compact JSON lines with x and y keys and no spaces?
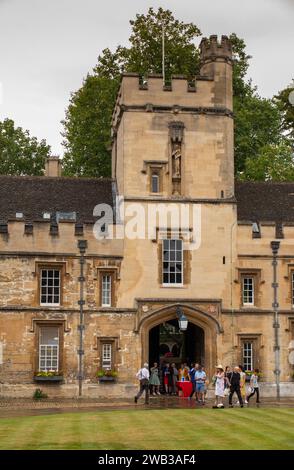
{"x":211,"y":49}
{"x":210,"y":92}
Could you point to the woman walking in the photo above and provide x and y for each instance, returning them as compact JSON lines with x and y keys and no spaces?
{"x":242,"y":385}
{"x":154,"y":380}
{"x":219,"y":387}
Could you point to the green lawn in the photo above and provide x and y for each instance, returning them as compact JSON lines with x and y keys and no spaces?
{"x":271,"y":428}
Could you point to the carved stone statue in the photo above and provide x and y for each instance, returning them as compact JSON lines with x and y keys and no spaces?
{"x":176,"y":161}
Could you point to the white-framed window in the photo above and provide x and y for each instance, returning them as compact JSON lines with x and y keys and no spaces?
{"x":106,"y":290}
{"x":48,"y":348}
{"x":248,"y":355}
{"x":172,"y":262}
{"x":50,"y":287}
{"x":106,"y":356}
{"x":248,"y":290}
{"x":155,"y":183}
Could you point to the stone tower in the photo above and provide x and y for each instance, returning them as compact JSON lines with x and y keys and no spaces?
{"x":177,"y":141}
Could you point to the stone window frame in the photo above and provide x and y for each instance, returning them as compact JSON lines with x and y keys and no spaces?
{"x":155,"y":169}
{"x":155,"y":174}
{"x":38,"y":324}
{"x":113,"y":340}
{"x":256,"y":274}
{"x":61,"y":266}
{"x":181,"y":262}
{"x":256,"y":340}
{"x":113,"y":273}
{"x":248,"y":290}
{"x":161,"y":234}
{"x":289,"y":278}
{"x":158,"y":167}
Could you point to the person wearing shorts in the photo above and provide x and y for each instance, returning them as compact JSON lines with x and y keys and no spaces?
{"x":200,"y":378}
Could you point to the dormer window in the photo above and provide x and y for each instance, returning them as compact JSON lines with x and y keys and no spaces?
{"x":155,"y":183}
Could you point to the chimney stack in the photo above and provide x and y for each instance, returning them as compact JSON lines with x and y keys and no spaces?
{"x":53,"y":166}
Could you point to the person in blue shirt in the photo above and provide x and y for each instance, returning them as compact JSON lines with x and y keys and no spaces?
{"x":200,"y":378}
{"x":192,"y":371}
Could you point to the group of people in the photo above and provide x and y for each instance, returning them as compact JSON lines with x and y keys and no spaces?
{"x":233,"y":381}
{"x":226,"y":382}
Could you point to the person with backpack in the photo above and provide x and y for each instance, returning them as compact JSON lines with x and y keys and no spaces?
{"x":143,"y":376}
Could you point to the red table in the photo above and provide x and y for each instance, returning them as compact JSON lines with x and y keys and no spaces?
{"x":185,"y":387}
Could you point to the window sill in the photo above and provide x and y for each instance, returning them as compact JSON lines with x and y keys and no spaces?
{"x":50,"y":305}
{"x":53,"y":378}
{"x":106,"y":379}
{"x":171,"y":286}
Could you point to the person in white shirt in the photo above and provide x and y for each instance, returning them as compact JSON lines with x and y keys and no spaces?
{"x":254,"y":386}
{"x":143,"y":376}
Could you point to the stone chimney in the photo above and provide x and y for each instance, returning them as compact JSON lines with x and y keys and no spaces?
{"x":53,"y":166}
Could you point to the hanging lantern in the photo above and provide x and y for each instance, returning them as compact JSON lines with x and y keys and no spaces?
{"x":182,"y":319}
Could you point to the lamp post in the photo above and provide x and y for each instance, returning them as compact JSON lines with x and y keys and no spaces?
{"x":82,"y":246}
{"x":182,"y":319}
{"x":276,"y":325}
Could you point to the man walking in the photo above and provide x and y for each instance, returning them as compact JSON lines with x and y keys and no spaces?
{"x":192,"y":372}
{"x":234,"y":379}
{"x":200,"y":377}
{"x":143,"y":376}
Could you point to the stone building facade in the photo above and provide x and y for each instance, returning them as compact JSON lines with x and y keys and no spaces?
{"x":142,"y":268}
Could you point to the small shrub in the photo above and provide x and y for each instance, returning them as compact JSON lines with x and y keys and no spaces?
{"x":107,"y":373}
{"x":39,"y":394}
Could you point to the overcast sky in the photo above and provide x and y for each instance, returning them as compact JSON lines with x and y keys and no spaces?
{"x":48,"y":46}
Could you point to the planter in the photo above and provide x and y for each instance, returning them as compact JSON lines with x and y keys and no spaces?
{"x":53,"y":378}
{"x":106,"y":379}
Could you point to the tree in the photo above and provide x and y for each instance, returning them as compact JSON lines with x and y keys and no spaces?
{"x":274,"y":163}
{"x":257,"y":123}
{"x":145,"y":54}
{"x":285,"y":103}
{"x":21,"y":154}
{"x":87,"y":125}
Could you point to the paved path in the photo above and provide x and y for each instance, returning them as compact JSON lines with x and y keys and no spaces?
{"x":27,"y":407}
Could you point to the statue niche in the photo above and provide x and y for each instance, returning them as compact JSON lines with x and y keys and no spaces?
{"x":176,"y":161}
{"x":176,"y":129}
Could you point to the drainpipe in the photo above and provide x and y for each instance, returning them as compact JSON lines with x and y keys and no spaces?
{"x":276,"y":325}
{"x":82,"y":245}
{"x":231,"y":300}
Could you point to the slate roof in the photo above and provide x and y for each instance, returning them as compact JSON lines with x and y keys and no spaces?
{"x":265,"y":201}
{"x":33,"y":195}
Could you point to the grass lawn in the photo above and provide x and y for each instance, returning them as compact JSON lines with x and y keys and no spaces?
{"x":269,"y":428}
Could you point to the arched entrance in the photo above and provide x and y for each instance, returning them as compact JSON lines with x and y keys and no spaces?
{"x":168,"y":343}
{"x":199,"y":342}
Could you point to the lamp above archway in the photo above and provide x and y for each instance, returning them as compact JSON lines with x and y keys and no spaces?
{"x":182,"y":319}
